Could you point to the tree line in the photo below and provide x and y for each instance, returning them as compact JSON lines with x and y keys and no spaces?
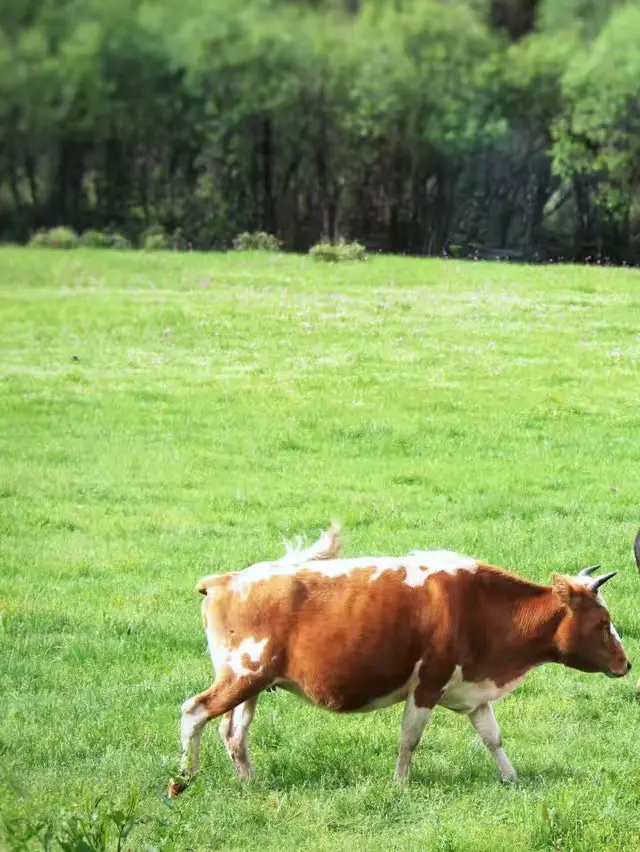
{"x":420,"y":126}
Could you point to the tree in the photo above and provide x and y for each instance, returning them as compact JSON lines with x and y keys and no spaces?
{"x":597,"y":143}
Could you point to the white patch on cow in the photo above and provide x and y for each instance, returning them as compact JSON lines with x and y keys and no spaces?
{"x":418,"y":565}
{"x":222,"y":655}
{"x":252,"y":649}
{"x":422,"y":564}
{"x":465,"y":696}
{"x":444,"y":560}
{"x":331,"y":568}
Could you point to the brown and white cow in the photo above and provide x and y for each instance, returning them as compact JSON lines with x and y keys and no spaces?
{"x":431,"y":628}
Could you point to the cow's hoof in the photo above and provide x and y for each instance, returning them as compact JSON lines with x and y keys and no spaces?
{"x":509,"y":779}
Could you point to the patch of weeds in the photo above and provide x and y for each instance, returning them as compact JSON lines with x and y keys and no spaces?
{"x":256,"y":241}
{"x":338,"y":252}
{"x":105,"y":240}
{"x":100,"y":829}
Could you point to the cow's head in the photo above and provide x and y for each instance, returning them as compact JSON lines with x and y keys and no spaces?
{"x":586,"y":639}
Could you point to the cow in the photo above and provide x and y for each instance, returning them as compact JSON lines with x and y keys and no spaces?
{"x":352,"y":635}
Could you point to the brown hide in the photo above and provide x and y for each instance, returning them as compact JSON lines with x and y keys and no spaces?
{"x":347,"y":641}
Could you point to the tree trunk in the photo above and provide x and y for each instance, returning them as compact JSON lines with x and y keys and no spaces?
{"x":66,"y":201}
{"x":269,"y":223}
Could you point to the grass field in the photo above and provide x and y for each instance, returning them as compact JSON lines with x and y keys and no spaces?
{"x":167,"y":416}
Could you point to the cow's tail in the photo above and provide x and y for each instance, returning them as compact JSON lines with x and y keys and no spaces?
{"x":328,"y":546}
{"x":208,"y":582}
{"x":636,"y":549}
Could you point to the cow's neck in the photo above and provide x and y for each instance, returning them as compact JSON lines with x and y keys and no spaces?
{"x":536,"y":622}
{"x":527,"y":617}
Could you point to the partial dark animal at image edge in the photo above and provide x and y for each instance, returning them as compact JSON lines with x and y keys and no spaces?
{"x":636,"y":551}
{"x":351,"y":635}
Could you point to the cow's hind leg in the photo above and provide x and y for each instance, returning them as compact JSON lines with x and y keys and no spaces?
{"x":221,"y":698}
{"x":485,"y":723}
{"x":234,"y":729}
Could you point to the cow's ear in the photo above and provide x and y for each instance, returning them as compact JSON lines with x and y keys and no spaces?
{"x":566,"y":591}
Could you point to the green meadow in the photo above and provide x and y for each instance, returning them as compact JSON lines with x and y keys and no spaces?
{"x":165,"y":416}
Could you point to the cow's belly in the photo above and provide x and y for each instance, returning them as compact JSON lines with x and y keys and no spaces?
{"x":329,"y":703}
{"x":341,"y":701}
{"x":465,"y":696}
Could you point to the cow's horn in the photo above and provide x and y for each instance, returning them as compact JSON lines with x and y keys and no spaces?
{"x":587,"y":572}
{"x":600,"y":581}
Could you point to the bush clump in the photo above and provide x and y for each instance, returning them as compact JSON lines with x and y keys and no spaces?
{"x":105,"y":239}
{"x":95,"y":239}
{"x":338,"y":252}
{"x":155,"y":238}
{"x":178,"y":241}
{"x":256,"y":241}
{"x":155,"y":242}
{"x":119,"y":242}
{"x":56,"y":238}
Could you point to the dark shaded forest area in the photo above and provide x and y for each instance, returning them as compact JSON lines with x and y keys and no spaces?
{"x":480,"y":127}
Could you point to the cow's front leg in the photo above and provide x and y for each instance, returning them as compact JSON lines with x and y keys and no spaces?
{"x":485,"y":723}
{"x":414,"y":721}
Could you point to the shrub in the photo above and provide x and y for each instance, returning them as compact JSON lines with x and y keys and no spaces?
{"x":155,"y":239}
{"x":105,"y":239}
{"x":256,"y":241}
{"x":155,"y":242}
{"x":58,"y":238}
{"x":178,"y":241}
{"x":119,"y":242}
{"x":338,"y":252}
{"x":96,"y":239}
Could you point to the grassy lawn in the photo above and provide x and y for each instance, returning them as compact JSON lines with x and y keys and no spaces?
{"x":167,"y":416}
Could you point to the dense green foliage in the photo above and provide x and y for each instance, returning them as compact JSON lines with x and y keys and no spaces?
{"x":56,"y":238}
{"x":166,"y":416}
{"x":338,"y":252}
{"x":422,"y":126}
{"x":256,"y":241}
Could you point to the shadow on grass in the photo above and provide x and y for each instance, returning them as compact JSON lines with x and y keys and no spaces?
{"x":322,"y":775}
